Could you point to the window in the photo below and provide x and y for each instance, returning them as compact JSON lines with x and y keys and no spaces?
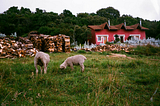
{"x":120,"y":36}
{"x":135,"y":36}
{"x":102,"y":38}
{"x":99,"y":38}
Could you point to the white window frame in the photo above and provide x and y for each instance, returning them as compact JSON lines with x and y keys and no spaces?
{"x":134,"y":35}
{"x":102,"y":37}
{"x":98,"y":39}
{"x":119,"y":36}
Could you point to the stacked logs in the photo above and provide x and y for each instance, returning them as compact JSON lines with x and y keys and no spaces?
{"x":11,"y":49}
{"x":58,"y":43}
{"x":29,"y":45}
{"x":24,"y":40}
{"x":49,"y":44}
{"x":101,"y":48}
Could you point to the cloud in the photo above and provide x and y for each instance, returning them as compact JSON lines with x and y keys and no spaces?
{"x":156,"y":6}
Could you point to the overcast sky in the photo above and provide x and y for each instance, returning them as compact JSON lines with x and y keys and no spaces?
{"x":146,"y":9}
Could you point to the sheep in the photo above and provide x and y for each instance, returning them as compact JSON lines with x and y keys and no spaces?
{"x":74,"y":60}
{"x":41,"y":59}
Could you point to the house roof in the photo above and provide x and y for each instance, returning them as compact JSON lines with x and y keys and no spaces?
{"x":117,"y":27}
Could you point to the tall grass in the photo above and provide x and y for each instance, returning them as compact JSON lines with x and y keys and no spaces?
{"x":105,"y":81}
{"x":146,"y":50}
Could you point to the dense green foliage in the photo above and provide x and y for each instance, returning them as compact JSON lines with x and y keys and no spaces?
{"x":105,"y":81}
{"x":23,"y":21}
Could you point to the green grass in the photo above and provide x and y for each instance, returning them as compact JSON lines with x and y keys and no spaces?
{"x":105,"y":81}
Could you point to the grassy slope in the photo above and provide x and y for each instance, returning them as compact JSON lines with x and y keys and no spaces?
{"x":106,"y":81}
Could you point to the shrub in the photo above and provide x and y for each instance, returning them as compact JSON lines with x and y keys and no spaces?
{"x":116,"y":38}
{"x":108,"y":43}
{"x":81,"y":51}
{"x":104,"y":53}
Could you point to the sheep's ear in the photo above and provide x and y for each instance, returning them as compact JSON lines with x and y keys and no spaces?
{"x":37,"y":51}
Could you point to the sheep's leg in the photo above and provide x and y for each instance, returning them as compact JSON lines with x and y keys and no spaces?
{"x":35,"y":64}
{"x":36,"y":69}
{"x":41,"y":69}
{"x":82,"y":67}
{"x":71,"y":65}
{"x":45,"y":69}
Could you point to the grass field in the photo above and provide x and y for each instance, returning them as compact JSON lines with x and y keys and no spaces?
{"x":105,"y":81}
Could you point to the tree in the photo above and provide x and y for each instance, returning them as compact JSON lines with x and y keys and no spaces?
{"x":12,"y":10}
{"x":158,"y":31}
{"x":39,"y":11}
{"x":81,"y":34}
{"x":116,"y":38}
{"x":129,"y":20}
{"x":109,"y":12}
{"x":45,"y":30}
{"x":25,"y":11}
{"x":82,"y":15}
{"x":67,"y":13}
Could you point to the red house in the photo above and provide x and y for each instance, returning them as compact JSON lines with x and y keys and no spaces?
{"x":105,"y":33}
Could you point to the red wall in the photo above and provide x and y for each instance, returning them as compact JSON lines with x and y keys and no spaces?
{"x":93,"y":39}
{"x":112,"y":33}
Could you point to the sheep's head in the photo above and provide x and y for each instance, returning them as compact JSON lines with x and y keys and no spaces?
{"x":62,"y":66}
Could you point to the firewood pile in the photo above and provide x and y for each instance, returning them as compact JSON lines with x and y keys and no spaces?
{"x":28,"y":46}
{"x":101,"y":48}
{"x":49,"y":44}
{"x":24,"y":40}
{"x":12,"y":49}
{"x":58,"y":43}
{"x":66,"y":43}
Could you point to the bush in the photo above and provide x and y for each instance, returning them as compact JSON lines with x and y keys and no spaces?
{"x":81,"y":51}
{"x":108,"y":43}
{"x":116,"y":38}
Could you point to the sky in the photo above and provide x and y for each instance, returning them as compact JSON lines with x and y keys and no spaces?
{"x":146,"y":9}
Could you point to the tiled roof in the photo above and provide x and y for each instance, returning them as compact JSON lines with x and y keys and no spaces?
{"x":95,"y":27}
{"x":116,"y":27}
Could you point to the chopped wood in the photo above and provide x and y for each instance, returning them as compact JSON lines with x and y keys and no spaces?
{"x":11,"y":48}
{"x":51,"y":43}
{"x":110,"y":48}
{"x":27,"y":46}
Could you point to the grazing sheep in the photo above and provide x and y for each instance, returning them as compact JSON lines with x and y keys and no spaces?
{"x":41,"y":59}
{"x":74,"y":60}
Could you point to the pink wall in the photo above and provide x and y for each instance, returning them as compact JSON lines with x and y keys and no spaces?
{"x":112,"y":33}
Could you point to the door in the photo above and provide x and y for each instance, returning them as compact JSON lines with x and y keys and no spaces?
{"x":121,"y":39}
{"x":105,"y":39}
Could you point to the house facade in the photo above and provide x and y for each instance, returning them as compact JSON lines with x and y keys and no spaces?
{"x":105,"y":33}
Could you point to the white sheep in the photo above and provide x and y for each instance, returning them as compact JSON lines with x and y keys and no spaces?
{"x":42,"y":59}
{"x":74,"y":60}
